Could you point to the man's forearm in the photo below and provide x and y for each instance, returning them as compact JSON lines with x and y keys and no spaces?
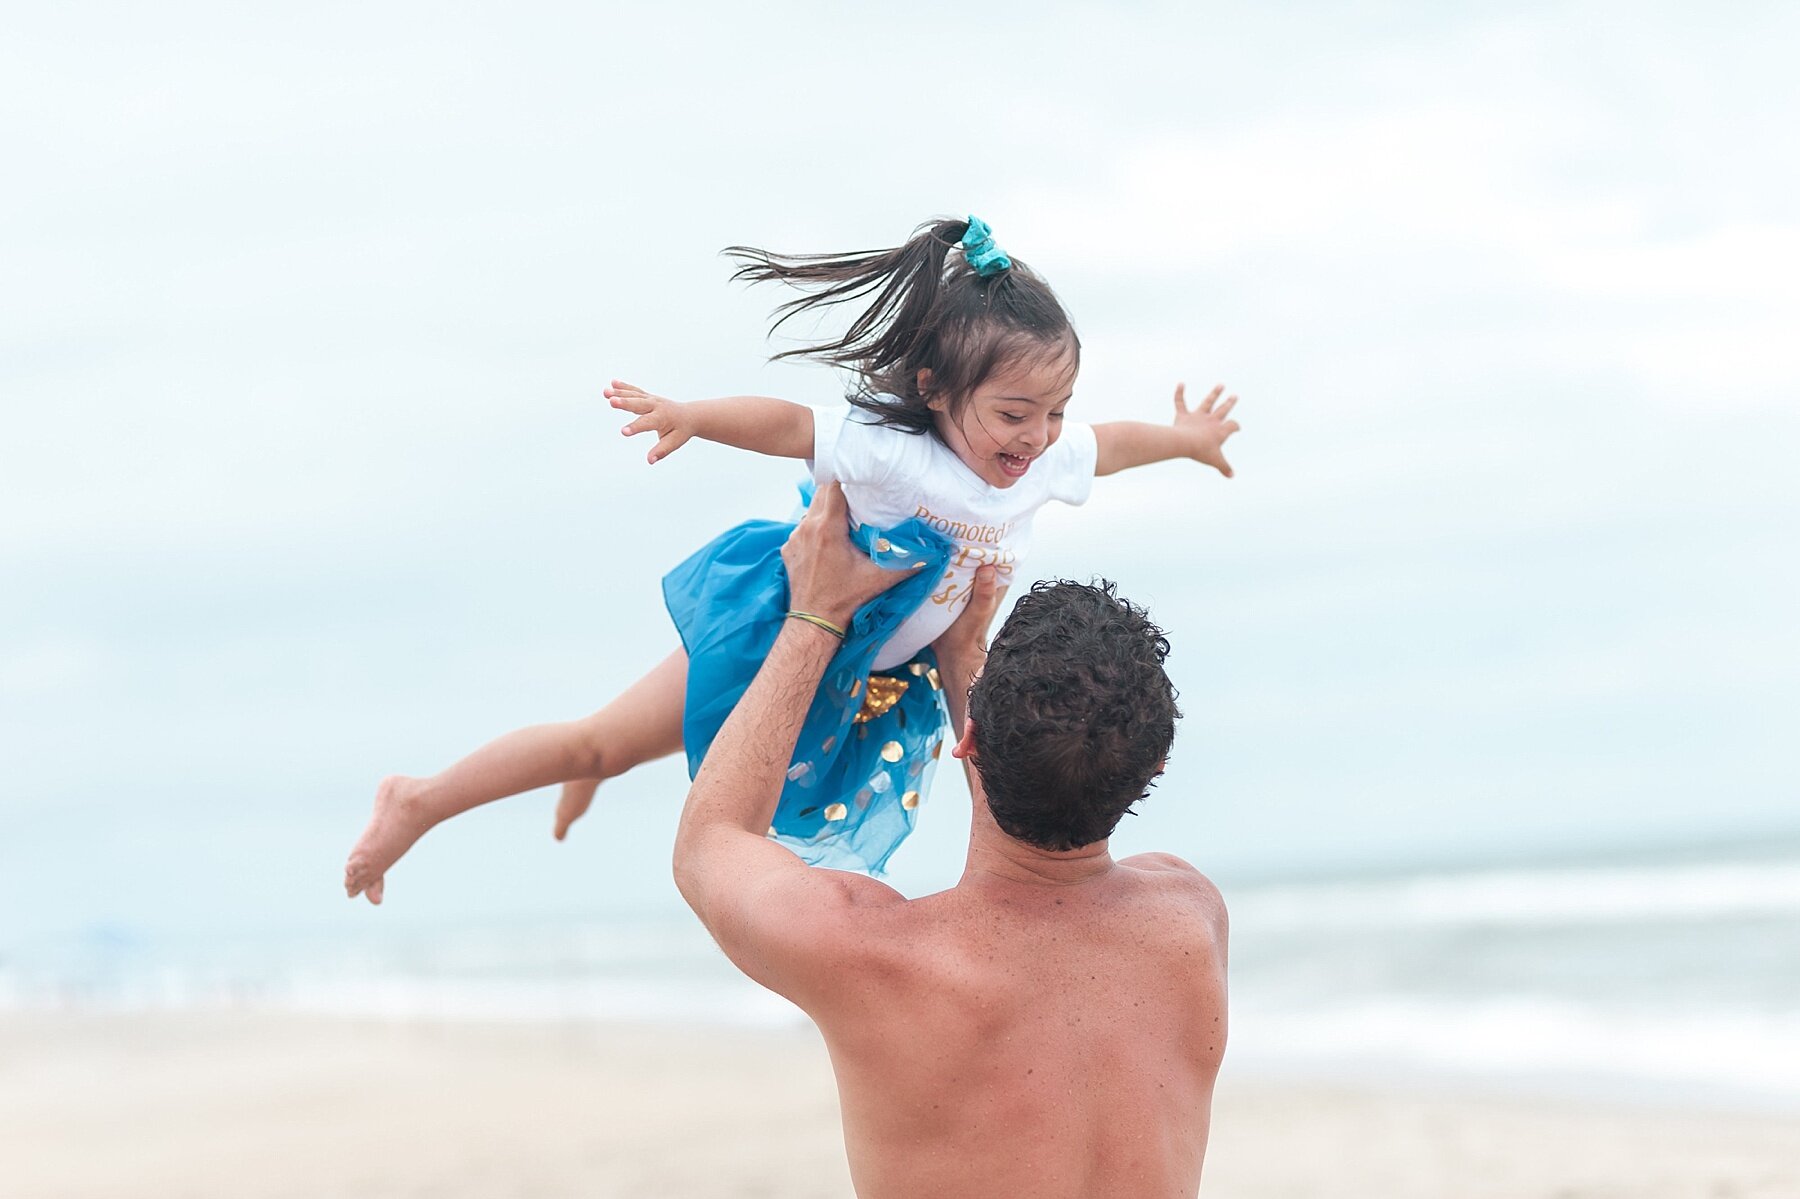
{"x":740,"y":781}
{"x":958,"y":671}
{"x":763,"y":424}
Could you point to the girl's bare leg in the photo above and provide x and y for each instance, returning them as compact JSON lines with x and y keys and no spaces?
{"x":639,"y":726}
{"x":573,"y":803}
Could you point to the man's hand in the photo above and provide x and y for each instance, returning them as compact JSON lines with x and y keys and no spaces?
{"x":668,"y":419}
{"x":964,"y":643}
{"x":827,"y":575}
{"x":962,"y":648}
{"x":1205,"y":429}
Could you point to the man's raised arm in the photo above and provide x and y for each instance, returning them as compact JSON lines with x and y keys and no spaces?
{"x":772,"y":914}
{"x":961,"y":650}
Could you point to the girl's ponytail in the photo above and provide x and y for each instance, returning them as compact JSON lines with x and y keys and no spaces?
{"x":931,"y":311}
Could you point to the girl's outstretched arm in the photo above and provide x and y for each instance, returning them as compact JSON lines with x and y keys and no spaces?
{"x":779,"y":428}
{"x":1198,"y":433}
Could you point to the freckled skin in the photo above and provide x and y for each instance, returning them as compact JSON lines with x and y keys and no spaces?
{"x":1048,"y":1027}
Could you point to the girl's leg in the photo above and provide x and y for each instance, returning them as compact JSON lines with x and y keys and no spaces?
{"x":573,"y":803}
{"x":662,"y":690}
{"x":642,"y":724}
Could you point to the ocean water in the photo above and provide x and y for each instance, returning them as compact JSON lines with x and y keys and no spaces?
{"x":1667,"y":977}
{"x":1670,"y":977}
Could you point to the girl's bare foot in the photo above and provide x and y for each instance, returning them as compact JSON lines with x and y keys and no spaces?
{"x":397,"y":823}
{"x":577,"y":794}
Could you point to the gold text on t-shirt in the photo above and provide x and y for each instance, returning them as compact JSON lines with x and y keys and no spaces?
{"x":963,"y":532}
{"x":964,"y":563}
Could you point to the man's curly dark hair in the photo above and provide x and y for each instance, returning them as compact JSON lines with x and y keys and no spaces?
{"x":1073,"y":714}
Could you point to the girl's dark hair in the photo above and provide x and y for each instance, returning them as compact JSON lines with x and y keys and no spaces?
{"x":931,"y":312}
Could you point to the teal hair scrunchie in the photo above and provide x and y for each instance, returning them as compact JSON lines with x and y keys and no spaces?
{"x":979,"y":249}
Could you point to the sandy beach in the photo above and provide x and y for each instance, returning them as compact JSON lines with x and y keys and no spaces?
{"x":258,"y":1106}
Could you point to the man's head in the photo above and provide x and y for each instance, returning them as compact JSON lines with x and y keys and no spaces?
{"x":1073,"y":715}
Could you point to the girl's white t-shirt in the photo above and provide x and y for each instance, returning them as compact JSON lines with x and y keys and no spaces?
{"x":889,"y":476}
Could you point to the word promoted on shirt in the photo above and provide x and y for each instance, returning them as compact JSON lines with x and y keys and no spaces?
{"x":965,"y":534}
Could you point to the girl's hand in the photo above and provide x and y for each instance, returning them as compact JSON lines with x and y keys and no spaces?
{"x":1205,"y":429}
{"x":667,"y":418}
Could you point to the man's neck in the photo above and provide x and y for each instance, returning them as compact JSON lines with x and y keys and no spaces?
{"x":996,"y":857}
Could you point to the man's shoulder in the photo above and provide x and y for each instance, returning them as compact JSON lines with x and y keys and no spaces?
{"x":1178,"y":880}
{"x":798,"y":932}
{"x":1178,"y":871}
{"x":1161,"y":862}
{"x":871,"y":940}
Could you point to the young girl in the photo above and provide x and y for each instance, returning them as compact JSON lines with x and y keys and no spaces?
{"x":954,"y":438}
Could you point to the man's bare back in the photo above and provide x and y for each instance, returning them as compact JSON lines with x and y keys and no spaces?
{"x":1048,"y":1028}
{"x":1053,"y":1024}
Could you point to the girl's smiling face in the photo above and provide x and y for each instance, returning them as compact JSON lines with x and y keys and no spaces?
{"x":1011,"y":418}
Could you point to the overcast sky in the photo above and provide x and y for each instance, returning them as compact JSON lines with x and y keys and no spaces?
{"x":306,"y":477}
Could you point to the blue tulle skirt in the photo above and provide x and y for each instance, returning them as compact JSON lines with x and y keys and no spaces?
{"x":865,"y":756}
